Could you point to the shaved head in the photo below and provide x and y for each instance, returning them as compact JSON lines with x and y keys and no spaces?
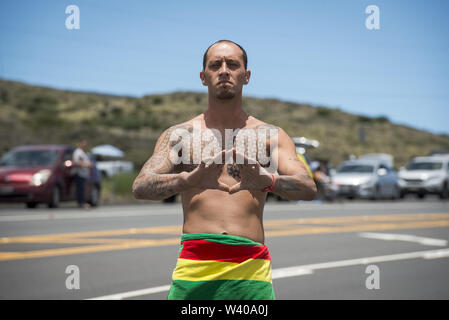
{"x":244,"y":56}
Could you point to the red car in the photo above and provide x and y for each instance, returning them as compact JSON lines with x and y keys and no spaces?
{"x":42,"y":174}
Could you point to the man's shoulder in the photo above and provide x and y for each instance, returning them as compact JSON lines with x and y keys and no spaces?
{"x":259,"y":124}
{"x":281,"y":133}
{"x":184,"y":125}
{"x":78,"y":155}
{"x":78,"y":151}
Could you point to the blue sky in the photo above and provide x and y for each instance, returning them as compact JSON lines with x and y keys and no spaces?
{"x":314,"y":51}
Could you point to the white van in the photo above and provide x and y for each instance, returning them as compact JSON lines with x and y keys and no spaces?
{"x":425,"y":175}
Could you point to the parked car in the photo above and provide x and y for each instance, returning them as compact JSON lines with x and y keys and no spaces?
{"x":110,"y":168}
{"x":366,"y":179}
{"x":382,"y":157}
{"x":42,"y":174}
{"x":425,"y":175}
{"x":109,"y":160}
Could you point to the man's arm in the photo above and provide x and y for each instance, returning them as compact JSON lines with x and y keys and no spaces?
{"x":293,"y":181}
{"x":156,"y":180}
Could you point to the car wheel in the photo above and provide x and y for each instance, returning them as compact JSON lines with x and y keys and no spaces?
{"x":55,"y":197}
{"x":445,"y":192}
{"x":171,"y":199}
{"x":376,"y":194}
{"x":279,"y":198}
{"x":31,"y":205}
{"x":94,"y":196}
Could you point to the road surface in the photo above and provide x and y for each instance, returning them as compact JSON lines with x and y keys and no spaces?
{"x":348,"y":250}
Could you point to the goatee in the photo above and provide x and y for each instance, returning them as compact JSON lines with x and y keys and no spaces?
{"x":223,"y":95}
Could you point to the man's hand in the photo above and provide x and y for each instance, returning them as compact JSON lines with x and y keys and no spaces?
{"x":253,"y":175}
{"x":206,"y":175}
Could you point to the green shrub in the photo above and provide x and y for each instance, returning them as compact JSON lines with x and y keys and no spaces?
{"x":323,"y":112}
{"x":119,"y":185}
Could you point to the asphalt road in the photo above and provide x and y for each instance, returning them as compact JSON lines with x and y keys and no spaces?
{"x":318,"y":251}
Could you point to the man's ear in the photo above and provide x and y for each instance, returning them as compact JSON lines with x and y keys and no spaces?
{"x":247,"y":76}
{"x":203,"y":78}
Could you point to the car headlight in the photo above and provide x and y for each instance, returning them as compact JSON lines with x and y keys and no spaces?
{"x":433,"y":180}
{"x":40,"y":177}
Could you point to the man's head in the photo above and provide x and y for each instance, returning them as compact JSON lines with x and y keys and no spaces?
{"x":244,"y":56}
{"x":225,"y":69}
{"x":83,"y":144}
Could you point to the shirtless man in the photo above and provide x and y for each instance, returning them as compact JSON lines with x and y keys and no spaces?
{"x":226,"y":198}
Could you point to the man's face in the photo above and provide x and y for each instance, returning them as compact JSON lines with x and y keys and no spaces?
{"x":83,"y":145}
{"x":225,"y":72}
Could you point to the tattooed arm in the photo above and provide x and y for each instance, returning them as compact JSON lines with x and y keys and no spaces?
{"x":293,"y":182}
{"x":156,"y":180}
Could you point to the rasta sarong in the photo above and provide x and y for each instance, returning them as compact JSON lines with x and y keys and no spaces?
{"x":221,"y":267}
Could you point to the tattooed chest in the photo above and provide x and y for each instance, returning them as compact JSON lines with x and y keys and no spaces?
{"x":231,"y":170}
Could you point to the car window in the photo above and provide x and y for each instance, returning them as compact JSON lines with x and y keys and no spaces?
{"x":424,"y":166}
{"x":29,"y":158}
{"x":355,"y":168}
{"x":67,"y":156}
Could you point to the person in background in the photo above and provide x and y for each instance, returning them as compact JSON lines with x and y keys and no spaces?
{"x":81,"y":172}
{"x":321,"y":178}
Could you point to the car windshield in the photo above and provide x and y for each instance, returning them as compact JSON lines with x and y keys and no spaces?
{"x":29,"y":158}
{"x":356,"y":168}
{"x":425,"y":166}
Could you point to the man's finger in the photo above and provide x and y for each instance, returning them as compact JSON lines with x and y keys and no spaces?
{"x":246,"y":160}
{"x":229,"y":156}
{"x":218,"y":158}
{"x":235,"y":188}
{"x":222,"y":186}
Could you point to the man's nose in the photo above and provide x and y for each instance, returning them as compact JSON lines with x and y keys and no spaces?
{"x":224,"y":68}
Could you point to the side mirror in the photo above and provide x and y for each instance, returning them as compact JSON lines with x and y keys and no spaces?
{"x":381,"y":171}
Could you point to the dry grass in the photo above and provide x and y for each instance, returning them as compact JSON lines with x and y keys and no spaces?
{"x":38,"y":115}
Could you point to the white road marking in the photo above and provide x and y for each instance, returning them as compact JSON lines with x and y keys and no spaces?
{"x":115,"y":212}
{"x":404,"y":237}
{"x":131,"y":294}
{"x":87,"y":215}
{"x":280,"y":273}
{"x":175,"y":209}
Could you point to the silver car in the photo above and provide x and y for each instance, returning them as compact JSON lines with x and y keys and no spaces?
{"x":366,"y":179}
{"x":424,"y":175}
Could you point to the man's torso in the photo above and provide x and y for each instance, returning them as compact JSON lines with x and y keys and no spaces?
{"x":80,"y":155}
{"x":218,"y":212}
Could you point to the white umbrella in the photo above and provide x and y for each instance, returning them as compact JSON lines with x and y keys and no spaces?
{"x":107,"y":150}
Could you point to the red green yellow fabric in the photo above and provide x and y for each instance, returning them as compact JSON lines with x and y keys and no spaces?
{"x":221,"y":267}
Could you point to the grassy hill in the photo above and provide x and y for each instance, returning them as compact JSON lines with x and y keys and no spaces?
{"x":39,"y":115}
